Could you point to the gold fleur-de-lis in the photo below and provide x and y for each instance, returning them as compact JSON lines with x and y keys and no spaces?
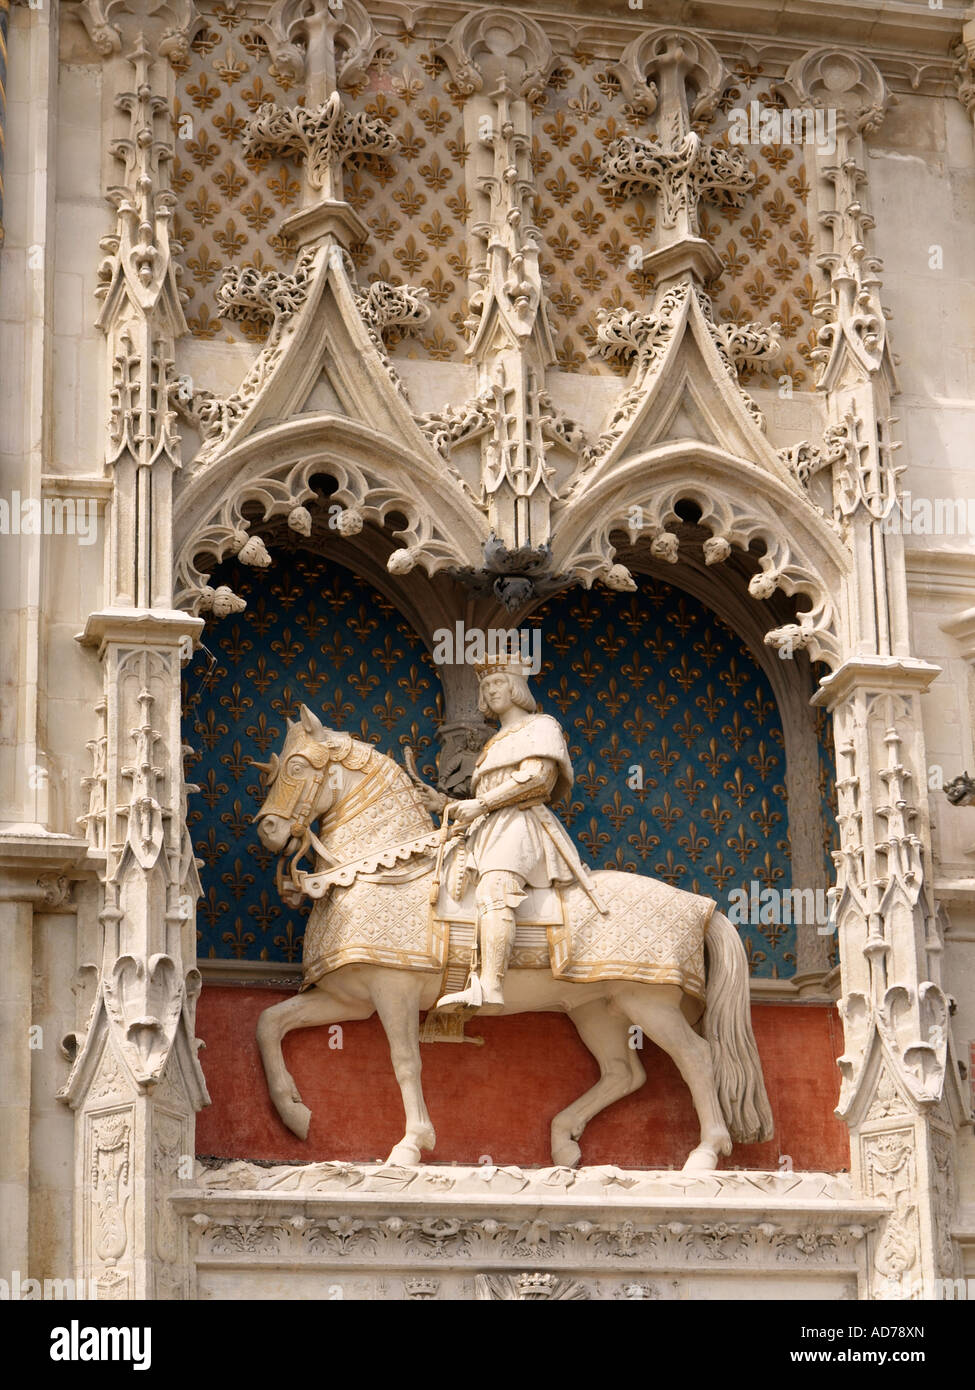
{"x":589,"y":726}
{"x":664,"y":756}
{"x":642,"y":841}
{"x":613,"y":755}
{"x":617,"y":812}
{"x":593,"y":839}
{"x":210,"y":849}
{"x":667,"y":813}
{"x":738,"y":789}
{"x":590,"y":782}
{"x":264,"y":911}
{"x":767,"y":872}
{"x":236,"y":880}
{"x":714,"y":757}
{"x":289,"y":944}
{"x":687,"y":731}
{"x":639,"y":727}
{"x":763,"y":761}
{"x":388,"y":713}
{"x":690,"y":785}
{"x":719,"y":872}
{"x":669,"y":869}
{"x":693,"y":843}
{"x":736,"y":732}
{"x":662,"y":700}
{"x":716,"y":815}
{"x":238,"y":940}
{"x":230,"y":67}
{"x":741,"y":844}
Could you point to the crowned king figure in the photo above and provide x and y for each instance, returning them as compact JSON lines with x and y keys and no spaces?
{"x":512,"y":840}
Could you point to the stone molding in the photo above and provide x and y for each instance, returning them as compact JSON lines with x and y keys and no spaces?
{"x":531,"y":1232}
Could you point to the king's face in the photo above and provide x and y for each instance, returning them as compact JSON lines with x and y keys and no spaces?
{"x":497,"y":693}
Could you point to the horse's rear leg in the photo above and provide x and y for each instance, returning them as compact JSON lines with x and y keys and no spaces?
{"x":396,"y":995}
{"x":606,"y":1034}
{"x":308,"y":1010}
{"x":656,"y":1009}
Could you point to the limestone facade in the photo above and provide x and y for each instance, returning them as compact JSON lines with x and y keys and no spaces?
{"x":510,"y":279}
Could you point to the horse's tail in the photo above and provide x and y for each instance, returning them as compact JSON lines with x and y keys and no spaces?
{"x":728,"y":1029}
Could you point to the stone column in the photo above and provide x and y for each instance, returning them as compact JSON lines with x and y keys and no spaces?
{"x":899,"y":1094}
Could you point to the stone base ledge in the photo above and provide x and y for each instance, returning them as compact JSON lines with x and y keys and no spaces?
{"x":378,"y":1231}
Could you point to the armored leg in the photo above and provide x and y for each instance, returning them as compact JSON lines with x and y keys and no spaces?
{"x":498,"y":894}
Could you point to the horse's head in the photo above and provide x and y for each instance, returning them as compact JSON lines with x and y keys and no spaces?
{"x":299,"y":789}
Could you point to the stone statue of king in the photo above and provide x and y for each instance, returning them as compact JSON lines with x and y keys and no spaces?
{"x":510,"y":837}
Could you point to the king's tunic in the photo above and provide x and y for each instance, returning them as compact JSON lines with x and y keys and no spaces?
{"x":519,"y":770}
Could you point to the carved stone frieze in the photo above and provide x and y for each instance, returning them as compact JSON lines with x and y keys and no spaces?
{"x":588,"y":1233}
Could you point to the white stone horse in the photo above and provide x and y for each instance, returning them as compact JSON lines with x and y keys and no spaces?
{"x":362,"y":803}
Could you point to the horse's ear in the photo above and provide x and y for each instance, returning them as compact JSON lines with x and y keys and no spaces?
{"x":311,"y":723}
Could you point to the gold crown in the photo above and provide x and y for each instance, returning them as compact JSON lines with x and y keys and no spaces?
{"x":508,"y":663}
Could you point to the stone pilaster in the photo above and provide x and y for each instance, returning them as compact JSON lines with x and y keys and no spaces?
{"x":899,"y":1090}
{"x":34,"y":872}
{"x":136,"y":1081}
{"x":501,"y":61}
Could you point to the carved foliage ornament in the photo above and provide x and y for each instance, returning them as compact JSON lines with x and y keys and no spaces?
{"x":324,"y":138}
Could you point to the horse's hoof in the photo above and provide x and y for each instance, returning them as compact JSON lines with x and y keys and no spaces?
{"x":296,"y":1116}
{"x":566,"y":1153}
{"x":404,"y":1156}
{"x":703,"y":1159}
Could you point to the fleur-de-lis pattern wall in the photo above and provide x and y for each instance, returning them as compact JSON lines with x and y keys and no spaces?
{"x":674,"y":733}
{"x":418,"y":213}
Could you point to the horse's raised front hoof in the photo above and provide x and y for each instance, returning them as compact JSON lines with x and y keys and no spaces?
{"x":703,"y":1159}
{"x":565,"y":1151}
{"x":404,"y":1155}
{"x":296,"y":1116}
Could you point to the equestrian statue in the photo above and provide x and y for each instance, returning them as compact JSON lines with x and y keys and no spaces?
{"x":494,"y":912}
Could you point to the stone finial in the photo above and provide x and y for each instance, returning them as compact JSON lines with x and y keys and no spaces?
{"x":690,"y":75}
{"x":168,"y":28}
{"x":847,"y":82}
{"x":489,"y":46}
{"x":304,"y":38}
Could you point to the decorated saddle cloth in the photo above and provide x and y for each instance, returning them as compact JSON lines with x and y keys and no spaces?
{"x":651,"y":933}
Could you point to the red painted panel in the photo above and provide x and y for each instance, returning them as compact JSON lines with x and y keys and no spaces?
{"x":499,"y":1099}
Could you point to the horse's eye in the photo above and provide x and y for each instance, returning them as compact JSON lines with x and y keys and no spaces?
{"x":296,"y":767}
